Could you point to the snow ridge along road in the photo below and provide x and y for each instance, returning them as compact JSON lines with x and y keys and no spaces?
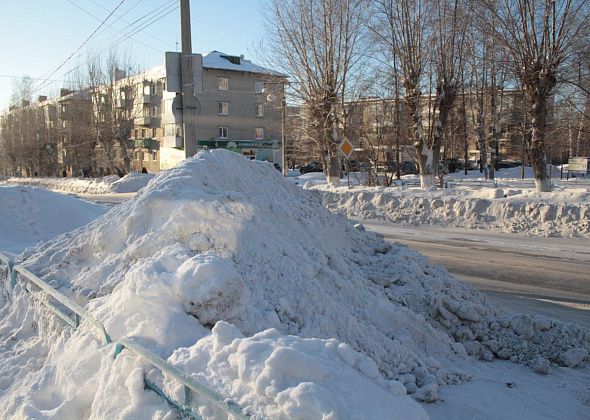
{"x":561,"y":213}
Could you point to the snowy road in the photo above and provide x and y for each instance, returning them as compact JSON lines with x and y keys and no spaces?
{"x":550,"y":276}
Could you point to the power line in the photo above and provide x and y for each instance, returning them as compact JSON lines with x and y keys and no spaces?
{"x":120,"y":17}
{"x":82,"y":44}
{"x":167,"y":8}
{"x":118,"y":30}
{"x":9,"y":76}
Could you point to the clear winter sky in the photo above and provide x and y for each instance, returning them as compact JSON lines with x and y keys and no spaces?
{"x":38,"y":35}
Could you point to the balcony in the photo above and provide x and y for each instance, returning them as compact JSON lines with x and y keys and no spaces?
{"x":143,"y":143}
{"x":145,"y":121}
{"x":147,"y":99}
{"x":172,"y":141}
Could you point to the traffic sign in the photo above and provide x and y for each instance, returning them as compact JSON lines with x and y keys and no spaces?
{"x":346,"y":148}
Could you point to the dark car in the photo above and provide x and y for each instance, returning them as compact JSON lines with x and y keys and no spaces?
{"x":278,"y":167}
{"x":409,"y":168}
{"x":312,"y":167}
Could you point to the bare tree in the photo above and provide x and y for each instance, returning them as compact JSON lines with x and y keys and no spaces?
{"x":113,"y":112}
{"x":22,"y":91}
{"x":317,"y":43}
{"x":425,"y":36}
{"x":539,"y":35}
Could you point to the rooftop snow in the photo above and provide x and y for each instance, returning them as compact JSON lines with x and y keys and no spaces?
{"x":216,"y":60}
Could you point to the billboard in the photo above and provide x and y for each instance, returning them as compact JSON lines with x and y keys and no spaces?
{"x":578,"y":165}
{"x":173,"y":73}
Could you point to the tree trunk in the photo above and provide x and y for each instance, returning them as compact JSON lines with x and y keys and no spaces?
{"x":333,"y":170}
{"x":538,"y":135}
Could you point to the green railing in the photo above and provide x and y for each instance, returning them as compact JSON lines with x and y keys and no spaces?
{"x":80,"y":314}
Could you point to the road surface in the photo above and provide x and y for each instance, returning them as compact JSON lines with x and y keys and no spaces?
{"x":549,"y":276}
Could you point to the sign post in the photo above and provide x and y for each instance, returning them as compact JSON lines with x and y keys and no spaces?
{"x":346,"y":149}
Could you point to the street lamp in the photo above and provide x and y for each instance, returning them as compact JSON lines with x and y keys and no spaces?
{"x":271,"y":97}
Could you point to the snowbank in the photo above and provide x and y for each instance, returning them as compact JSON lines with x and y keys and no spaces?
{"x":565,"y":213}
{"x":30,"y":215}
{"x":221,"y":240}
{"x":289,"y":377}
{"x":129,"y":183}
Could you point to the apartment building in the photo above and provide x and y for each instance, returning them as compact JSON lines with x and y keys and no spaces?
{"x":375,"y":123}
{"x":135,"y":123}
{"x":47,"y":138}
{"x":238,"y":108}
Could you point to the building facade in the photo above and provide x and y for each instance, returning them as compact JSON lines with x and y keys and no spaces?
{"x":238,"y":108}
{"x":135,"y":123}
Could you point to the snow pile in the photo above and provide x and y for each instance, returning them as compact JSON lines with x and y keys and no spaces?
{"x":129,"y":183}
{"x":30,"y":215}
{"x":220,"y":238}
{"x":282,"y":376}
{"x":132,"y":182}
{"x":565,"y":213}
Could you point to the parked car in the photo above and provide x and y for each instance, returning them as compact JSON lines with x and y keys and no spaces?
{"x":278,"y":167}
{"x":312,"y":167}
{"x":409,"y":168}
{"x":356,"y":166}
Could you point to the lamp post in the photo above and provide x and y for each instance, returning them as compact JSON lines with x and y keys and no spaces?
{"x":271,"y":97}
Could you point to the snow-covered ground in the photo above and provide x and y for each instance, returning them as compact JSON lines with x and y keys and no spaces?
{"x":250,"y":286}
{"x":30,"y":215}
{"x":132,"y":182}
{"x":512,"y":205}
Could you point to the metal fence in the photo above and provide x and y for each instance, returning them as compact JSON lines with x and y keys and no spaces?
{"x":77,"y":314}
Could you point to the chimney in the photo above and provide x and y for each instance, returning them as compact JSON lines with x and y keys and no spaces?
{"x":24,"y":103}
{"x":41,"y":98}
{"x":118,"y":74}
{"x":65,"y":92}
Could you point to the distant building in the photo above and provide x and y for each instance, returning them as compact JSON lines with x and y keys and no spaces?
{"x":234,"y":112}
{"x":135,"y":123}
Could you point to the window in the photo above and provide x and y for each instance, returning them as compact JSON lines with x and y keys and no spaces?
{"x":143,"y":133}
{"x":258,"y":133}
{"x":149,"y":89}
{"x":122,"y":96}
{"x":154,"y":133}
{"x":260,"y":110}
{"x":222,"y":132}
{"x":222,"y":108}
{"x":154,"y":111}
{"x":136,"y":133}
{"x":223,"y":83}
{"x":258,"y":86}
{"x":233,"y":59}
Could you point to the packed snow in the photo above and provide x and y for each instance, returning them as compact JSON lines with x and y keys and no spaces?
{"x":511,"y":205}
{"x":30,"y":215}
{"x":249,"y":285}
{"x":131,"y":182}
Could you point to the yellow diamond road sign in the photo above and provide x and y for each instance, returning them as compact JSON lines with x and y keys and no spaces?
{"x":346,"y":148}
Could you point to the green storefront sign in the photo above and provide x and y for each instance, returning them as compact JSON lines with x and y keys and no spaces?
{"x":143,"y":143}
{"x":238,"y":144}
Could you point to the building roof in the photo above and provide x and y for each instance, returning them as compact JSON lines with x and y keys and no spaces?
{"x":220,"y":60}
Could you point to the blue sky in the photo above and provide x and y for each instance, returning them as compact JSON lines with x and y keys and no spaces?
{"x":38,"y":35}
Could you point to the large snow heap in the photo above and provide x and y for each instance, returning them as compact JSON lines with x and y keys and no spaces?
{"x":29,"y":215}
{"x":226,"y":244}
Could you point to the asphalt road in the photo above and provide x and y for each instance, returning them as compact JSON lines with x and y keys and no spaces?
{"x":549,"y":276}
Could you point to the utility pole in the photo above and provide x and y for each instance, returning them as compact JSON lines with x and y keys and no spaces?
{"x":189,"y":108}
